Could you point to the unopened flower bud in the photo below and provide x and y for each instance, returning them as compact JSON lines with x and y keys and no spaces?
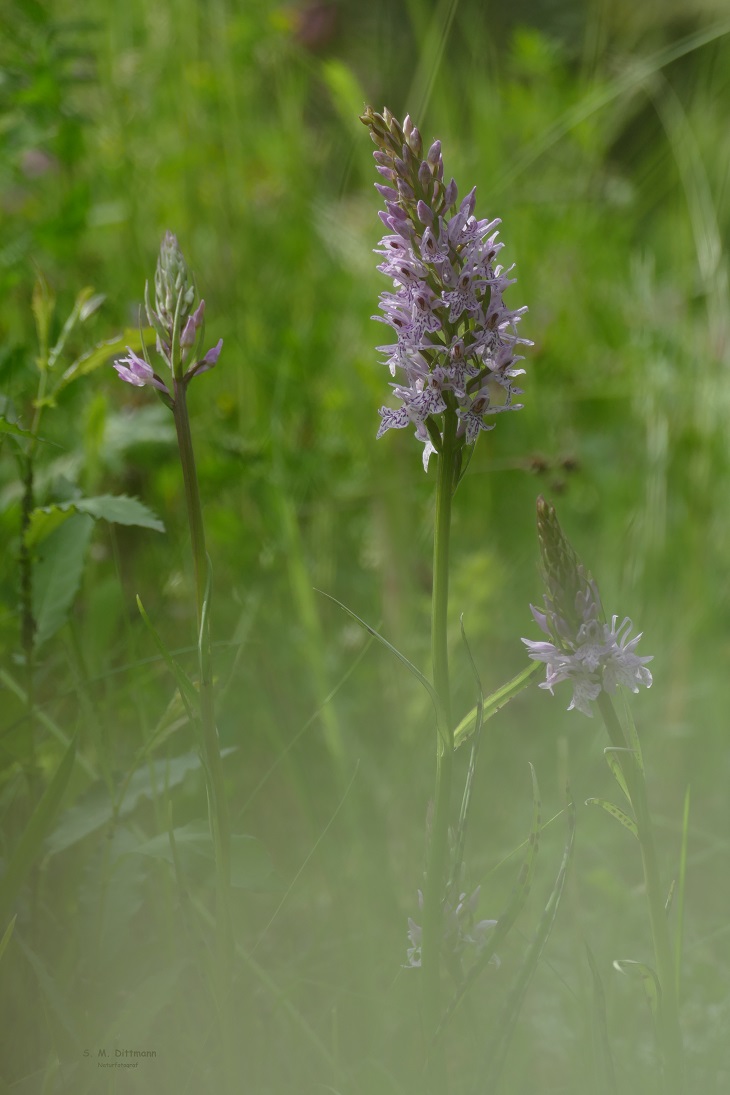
{"x":172,"y":282}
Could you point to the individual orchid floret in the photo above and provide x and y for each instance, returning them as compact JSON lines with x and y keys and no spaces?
{"x":207,"y":361}
{"x":447,"y":294}
{"x":178,"y":327}
{"x":582,"y":646}
{"x":135,"y":370}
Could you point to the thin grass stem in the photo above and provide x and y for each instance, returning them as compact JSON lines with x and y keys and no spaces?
{"x":669,"y":1030}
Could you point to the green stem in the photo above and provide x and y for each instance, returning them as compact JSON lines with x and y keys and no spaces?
{"x":25,"y":566}
{"x":437,"y":870}
{"x":670,"y":1033}
{"x":217,"y":805}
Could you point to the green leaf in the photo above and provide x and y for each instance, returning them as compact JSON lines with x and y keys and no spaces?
{"x":45,"y":520}
{"x":91,"y":304}
{"x":344,"y":87}
{"x":639,"y":971}
{"x":191,"y":841}
{"x":495,"y":702}
{"x":614,"y":811}
{"x":39,"y":825}
{"x":119,"y":509}
{"x":116,"y":509}
{"x":631,"y":734}
{"x":84,"y":305}
{"x":94,"y":809}
{"x":613,"y":763}
{"x":14,"y":430}
{"x":604,"y":1067}
{"x":251,"y":867}
{"x":58,"y":573}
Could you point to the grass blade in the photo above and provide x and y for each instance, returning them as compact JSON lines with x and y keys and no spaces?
{"x":517,"y":901}
{"x":678,"y":940}
{"x":497,"y":1052}
{"x":495,"y":702}
{"x":602,"y":1050}
{"x":29,"y":845}
{"x":388,"y":646}
{"x":7,"y":934}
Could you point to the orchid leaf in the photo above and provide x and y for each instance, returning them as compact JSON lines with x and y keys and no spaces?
{"x":614,"y":811}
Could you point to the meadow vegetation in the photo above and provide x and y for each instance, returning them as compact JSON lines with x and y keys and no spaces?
{"x":597,"y":133}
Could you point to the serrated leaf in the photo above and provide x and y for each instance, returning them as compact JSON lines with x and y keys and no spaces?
{"x":119,"y":509}
{"x":13,"y":430}
{"x":614,"y":811}
{"x":26,"y":851}
{"x":131,"y":337}
{"x":57,"y":575}
{"x":116,"y":509}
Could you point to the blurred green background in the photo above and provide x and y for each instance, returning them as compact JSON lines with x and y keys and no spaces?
{"x":598,"y":133}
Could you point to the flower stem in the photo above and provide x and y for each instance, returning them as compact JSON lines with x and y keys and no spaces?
{"x":669,"y":1031}
{"x":217,"y":805}
{"x":439,"y":844}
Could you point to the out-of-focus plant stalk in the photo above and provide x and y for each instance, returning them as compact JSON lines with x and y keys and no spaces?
{"x":217,"y":804}
{"x":670,"y":1033}
{"x":211,"y":750}
{"x":179,"y":327}
{"x":439,"y":845}
{"x":25,"y":562}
